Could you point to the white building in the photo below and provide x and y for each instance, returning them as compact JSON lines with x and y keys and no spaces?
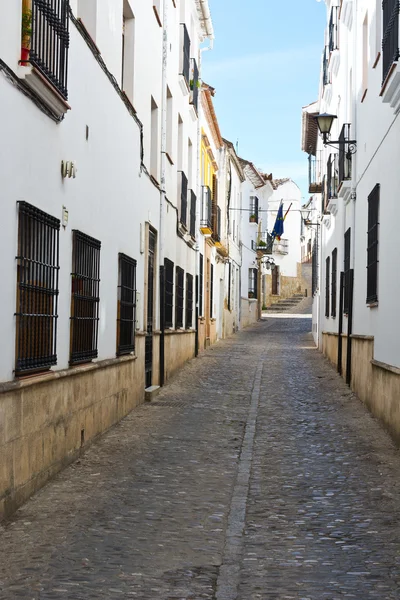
{"x":357,"y":298}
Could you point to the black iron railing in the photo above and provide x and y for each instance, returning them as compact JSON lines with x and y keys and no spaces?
{"x":50,"y":41}
{"x":37,"y":296}
{"x":201,"y":284}
{"x":211,"y":291}
{"x":372,"y":250}
{"x":194,"y":84}
{"x":179,"y":296}
{"x":347,"y":251}
{"x":390,"y":40}
{"x":148,"y":346}
{"x":183,"y":189}
{"x":186,"y":56}
{"x":324,"y":195}
{"x":332,"y":177}
{"x":252,"y":291}
{"x":216,"y":224}
{"x":189,"y":300}
{"x":333,"y":29}
{"x":206,"y":208}
{"x":169,"y":292}
{"x":325,"y":63}
{"x":193,"y":201}
{"x":334,"y":283}
{"x":315,"y":265}
{"x":254,"y":207}
{"x":344,"y":154}
{"x":126,"y":305}
{"x":327,"y":285}
{"x":314,"y":177}
{"x":85,"y":297}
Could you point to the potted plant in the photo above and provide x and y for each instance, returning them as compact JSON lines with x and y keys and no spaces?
{"x":26,"y":33}
{"x":262,"y":244}
{"x":253,"y":218}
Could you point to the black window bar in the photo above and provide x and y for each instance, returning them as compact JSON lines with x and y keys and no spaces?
{"x":201,"y":284}
{"x":183,"y":189}
{"x":211,"y":291}
{"x":50,"y":41}
{"x":324,"y":195}
{"x":85,"y":297}
{"x":206,"y":208}
{"x":253,"y":217}
{"x":347,"y":250}
{"x":334,"y":283}
{"x":194,"y":84}
{"x":189,"y":300}
{"x":253,"y":274}
{"x":193,"y":200}
{"x":390,"y":40}
{"x":333,"y":29}
{"x":327,"y":285}
{"x":372,"y":248}
{"x":230,"y":286}
{"x":344,"y":154}
{"x":169,"y":292}
{"x":186,"y":55}
{"x":332,"y":177}
{"x":325,"y":62}
{"x":314,"y":180}
{"x":179,"y":296}
{"x":315,"y":266}
{"x":37,"y":294}
{"x":126,"y":305}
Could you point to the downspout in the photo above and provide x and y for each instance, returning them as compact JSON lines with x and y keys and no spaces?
{"x":161,"y":249}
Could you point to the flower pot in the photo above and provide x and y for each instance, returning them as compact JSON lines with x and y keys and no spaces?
{"x":24,"y":57}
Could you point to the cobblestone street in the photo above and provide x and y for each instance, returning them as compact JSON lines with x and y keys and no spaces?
{"x":254,"y":474}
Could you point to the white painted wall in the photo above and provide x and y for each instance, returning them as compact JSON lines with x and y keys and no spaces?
{"x":290,"y":194}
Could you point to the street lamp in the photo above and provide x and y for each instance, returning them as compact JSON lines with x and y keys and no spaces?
{"x":305,"y":215}
{"x":324,"y":122}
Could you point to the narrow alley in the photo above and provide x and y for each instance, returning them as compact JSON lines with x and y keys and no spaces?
{"x":254,"y":474}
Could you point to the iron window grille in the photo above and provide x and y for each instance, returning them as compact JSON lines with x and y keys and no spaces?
{"x":372,"y":249}
{"x":332,"y":177}
{"x":390,"y":40}
{"x":37,"y":292}
{"x":189,"y":300}
{"x":85,"y":298}
{"x":315,"y":266}
{"x":216,"y":225}
{"x":253,"y":217}
{"x":183,"y":185}
{"x":169,"y":292}
{"x":201,"y":284}
{"x":327,"y":286}
{"x":252,"y":283}
{"x":325,"y":63}
{"x":334,"y":283}
{"x":194,"y":84}
{"x":211,"y":291}
{"x":193,"y":201}
{"x":344,"y":154}
{"x":314,"y":179}
{"x":324,"y":195}
{"x":206,"y":207}
{"x":126,"y":305}
{"x":333,"y":29}
{"x":185,"y":61}
{"x":230,"y":286}
{"x":347,"y":250}
{"x":49,"y":41}
{"x":179,"y":296}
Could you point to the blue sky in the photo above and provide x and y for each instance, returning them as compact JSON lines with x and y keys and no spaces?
{"x":265,"y":67}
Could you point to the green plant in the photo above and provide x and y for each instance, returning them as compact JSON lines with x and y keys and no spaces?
{"x":264,"y":307}
{"x":26,"y":25}
{"x":253,"y":218}
{"x":262,"y":243}
{"x":192,"y":84}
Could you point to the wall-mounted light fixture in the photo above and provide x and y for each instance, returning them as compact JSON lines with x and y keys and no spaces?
{"x":324,"y":122}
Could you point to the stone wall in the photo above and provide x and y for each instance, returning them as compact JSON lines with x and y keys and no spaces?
{"x":289,"y":286}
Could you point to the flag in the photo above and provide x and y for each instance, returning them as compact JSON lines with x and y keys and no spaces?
{"x":278,"y":227}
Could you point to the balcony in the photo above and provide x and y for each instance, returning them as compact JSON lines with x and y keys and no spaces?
{"x":314,"y":175}
{"x":183,"y":195}
{"x":194,"y":87}
{"x":193,"y":202}
{"x":334,"y":57}
{"x":281,"y":246}
{"x":254,"y":209}
{"x":184,"y":70}
{"x":216,"y":225}
{"x":345,"y":165}
{"x":206,"y":211}
{"x":332,"y":184}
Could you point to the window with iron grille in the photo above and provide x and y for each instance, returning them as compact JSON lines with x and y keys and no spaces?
{"x":315,"y":266}
{"x":327,"y":285}
{"x":333,"y":29}
{"x":325,"y":63}
{"x":37,"y":293}
{"x":344,"y":154}
{"x":347,"y":250}
{"x":194,"y":84}
{"x":211,"y":291}
{"x":185,"y":57}
{"x":49,"y":41}
{"x":332,"y":176}
{"x":126,"y":304}
{"x":253,"y":283}
{"x":390,"y":40}
{"x":253,"y":218}
{"x":372,"y":250}
{"x":183,"y":192}
{"x":85,"y":297}
{"x":179,"y":296}
{"x":189,"y":300}
{"x":201,"y":283}
{"x":169,"y":292}
{"x":334,"y":283}
{"x":192,"y":214}
{"x":230,"y":286}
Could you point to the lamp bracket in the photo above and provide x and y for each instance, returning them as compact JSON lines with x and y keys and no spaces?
{"x":337,"y":144}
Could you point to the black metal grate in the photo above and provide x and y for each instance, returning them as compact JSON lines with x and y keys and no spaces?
{"x":253,"y":217}
{"x":50,"y":41}
{"x":148,"y":351}
{"x":332,"y":177}
{"x":179,"y":296}
{"x":230,"y":286}
{"x":253,"y":273}
{"x":372,"y":249}
{"x":206,"y":208}
{"x":169,"y":292}
{"x":189,"y":300}
{"x":211,"y":291}
{"x":334,"y":283}
{"x":194,"y":84}
{"x":327,"y":285}
{"x":192,"y":214}
{"x":315,"y":265}
{"x":390,"y":40}
{"x":186,"y":55}
{"x":325,"y":63}
{"x":37,"y":296}
{"x":201,"y":283}
{"x":126,"y":304}
{"x":85,"y":297}
{"x":347,"y":251}
{"x":183,"y":194}
{"x":333,"y":29}
{"x":344,"y":154}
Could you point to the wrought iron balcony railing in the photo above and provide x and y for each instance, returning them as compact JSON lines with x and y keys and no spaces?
{"x":183,"y":191}
{"x":314,"y":175}
{"x":333,"y":29}
{"x":390,"y":40}
{"x":206,"y":210}
{"x":332,"y":178}
{"x":344,"y":154}
{"x":193,"y":202}
{"x":194,"y":84}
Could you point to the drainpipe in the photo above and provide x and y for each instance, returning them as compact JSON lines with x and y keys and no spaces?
{"x":161,"y":249}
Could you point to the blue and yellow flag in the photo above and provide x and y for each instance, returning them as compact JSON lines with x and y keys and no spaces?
{"x":277,"y":231}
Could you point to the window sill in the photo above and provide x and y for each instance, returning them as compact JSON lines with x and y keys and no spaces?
{"x":44,"y":90}
{"x":376,"y":60}
{"x":364,"y":95}
{"x":390,"y":91}
{"x":372,"y":304}
{"x":184,"y":85}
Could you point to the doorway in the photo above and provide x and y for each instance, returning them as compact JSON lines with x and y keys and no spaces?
{"x":275,"y":281}
{"x":148,"y":367}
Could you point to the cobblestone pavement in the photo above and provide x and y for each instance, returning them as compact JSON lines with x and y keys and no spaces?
{"x":255,"y":474}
